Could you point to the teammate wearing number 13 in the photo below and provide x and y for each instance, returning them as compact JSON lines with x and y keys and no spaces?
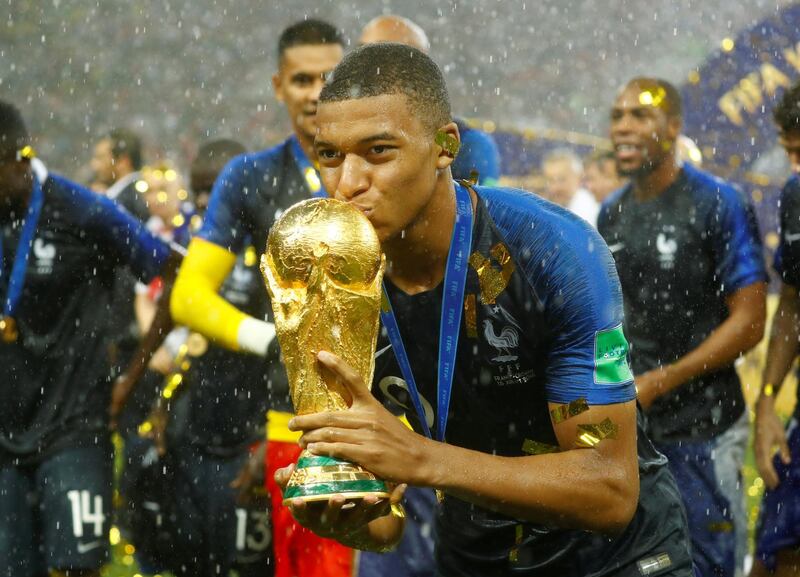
{"x":544,"y":470}
{"x":60,"y":247}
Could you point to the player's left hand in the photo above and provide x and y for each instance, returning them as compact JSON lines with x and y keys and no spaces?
{"x":366,"y":433}
{"x":652,"y":384}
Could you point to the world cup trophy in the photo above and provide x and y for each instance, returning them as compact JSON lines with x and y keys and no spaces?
{"x":323,"y":268}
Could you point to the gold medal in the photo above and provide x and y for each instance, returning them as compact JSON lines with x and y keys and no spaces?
{"x":8,"y":328}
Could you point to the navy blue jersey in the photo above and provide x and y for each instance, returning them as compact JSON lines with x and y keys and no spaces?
{"x":542,"y":322}
{"x":227,"y":394}
{"x":679,"y":257}
{"x":478,"y":153}
{"x":250,"y":193}
{"x":787,"y":257}
{"x":56,"y":376}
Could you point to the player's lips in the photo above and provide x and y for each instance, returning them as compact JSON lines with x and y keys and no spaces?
{"x":626,"y":151}
{"x":366,"y":210}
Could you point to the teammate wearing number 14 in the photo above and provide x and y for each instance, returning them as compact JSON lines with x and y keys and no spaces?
{"x":60,"y":248}
{"x":545,"y":470}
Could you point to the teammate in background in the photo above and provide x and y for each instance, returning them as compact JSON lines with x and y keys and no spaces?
{"x":115,"y":164}
{"x":62,"y":246}
{"x":600,"y":174}
{"x":778,"y":534}
{"x":210,"y":160}
{"x":690,"y":262}
{"x":540,"y":473}
{"x":252,"y":191}
{"x":563,"y":171}
{"x":203,"y":426}
{"x":478,"y":153}
{"x":116,"y":161}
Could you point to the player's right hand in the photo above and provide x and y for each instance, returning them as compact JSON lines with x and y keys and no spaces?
{"x":770,"y":433}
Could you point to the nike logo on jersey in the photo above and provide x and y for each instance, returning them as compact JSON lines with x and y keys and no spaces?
{"x":792,"y":237}
{"x":86,"y":547}
{"x":616,"y":247}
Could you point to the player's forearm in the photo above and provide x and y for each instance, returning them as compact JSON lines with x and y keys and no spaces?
{"x":739,"y":332}
{"x":783,"y":341}
{"x":578,"y":488}
{"x":197,"y":304}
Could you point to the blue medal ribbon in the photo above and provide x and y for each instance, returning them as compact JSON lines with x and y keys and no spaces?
{"x":455,"y":280}
{"x":310,"y":174}
{"x":20,"y":267}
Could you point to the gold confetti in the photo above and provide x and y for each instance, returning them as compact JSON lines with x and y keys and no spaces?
{"x":571,"y":409}
{"x":590,"y":435}
{"x":492,"y":281}
{"x":721,"y":527}
{"x":471,"y":316}
{"x":447,"y":142}
{"x":532,"y":447}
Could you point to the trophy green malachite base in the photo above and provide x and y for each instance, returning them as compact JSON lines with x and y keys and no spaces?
{"x":320,"y":478}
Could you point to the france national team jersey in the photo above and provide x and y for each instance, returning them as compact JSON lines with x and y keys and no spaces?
{"x":55,"y":377}
{"x":227,"y":395}
{"x":679,"y":256}
{"x":250,"y":193}
{"x":478,"y":153}
{"x":542,"y":322}
{"x":787,"y":257}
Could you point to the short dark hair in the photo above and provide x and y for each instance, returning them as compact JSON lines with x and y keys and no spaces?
{"x":389,"y":68}
{"x":671,"y":104}
{"x":215,"y":154}
{"x":308,"y":32}
{"x":125,"y":142}
{"x":787,"y":113}
{"x":13,"y":133}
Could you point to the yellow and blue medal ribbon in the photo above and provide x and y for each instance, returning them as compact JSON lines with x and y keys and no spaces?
{"x":455,"y":280}
{"x":309,"y":172}
{"x":16,"y":281}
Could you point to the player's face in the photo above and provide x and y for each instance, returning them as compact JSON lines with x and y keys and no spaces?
{"x":790,"y":141}
{"x":642,"y":133}
{"x":377,"y":154}
{"x":16,"y":182}
{"x":299,"y":80}
{"x":102,"y":163}
{"x":561,"y":181}
{"x":601,"y":179}
{"x":202,"y":181}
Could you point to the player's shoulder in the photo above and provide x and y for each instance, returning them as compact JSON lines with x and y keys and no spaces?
{"x":791,"y":188}
{"x":70,"y":195}
{"x":560,"y":254}
{"x":257,"y":163}
{"x":711,"y":190}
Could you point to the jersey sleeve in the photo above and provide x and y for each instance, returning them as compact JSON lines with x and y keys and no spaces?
{"x":224,"y":222}
{"x":787,"y":257}
{"x":736,"y":241}
{"x":119,"y":233}
{"x":478,"y":152}
{"x":574,"y":284}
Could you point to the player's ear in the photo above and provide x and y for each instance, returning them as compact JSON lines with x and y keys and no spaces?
{"x":277,"y":86}
{"x":448,"y":140}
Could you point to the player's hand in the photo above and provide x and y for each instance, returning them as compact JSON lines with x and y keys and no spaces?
{"x":337,"y":518}
{"x":250,"y":480}
{"x":158,"y":419}
{"x":652,"y":384}
{"x":366,"y":433}
{"x":769,"y":434}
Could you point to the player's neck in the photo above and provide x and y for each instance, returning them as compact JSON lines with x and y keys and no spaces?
{"x":307,"y":144}
{"x":417,"y":258}
{"x":652,"y":184}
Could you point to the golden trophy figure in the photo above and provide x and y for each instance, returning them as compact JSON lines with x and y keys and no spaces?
{"x":323,"y":269}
